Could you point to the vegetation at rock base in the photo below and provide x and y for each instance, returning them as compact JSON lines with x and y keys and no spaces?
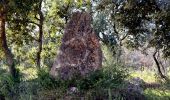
{"x":134,"y":36}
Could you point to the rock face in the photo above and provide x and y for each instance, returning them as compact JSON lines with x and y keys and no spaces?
{"x":80,"y":51}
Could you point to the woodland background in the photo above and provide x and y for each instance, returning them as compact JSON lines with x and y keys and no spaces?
{"x":135,"y":39}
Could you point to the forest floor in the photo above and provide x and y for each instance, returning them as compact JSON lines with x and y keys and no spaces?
{"x":156,"y":89}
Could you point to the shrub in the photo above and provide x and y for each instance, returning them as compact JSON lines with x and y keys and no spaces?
{"x":46,"y":81}
{"x":7,"y":85}
{"x":108,"y":77}
{"x":111,"y":75}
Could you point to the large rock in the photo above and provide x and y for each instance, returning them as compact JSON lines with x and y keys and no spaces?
{"x":80,"y":51}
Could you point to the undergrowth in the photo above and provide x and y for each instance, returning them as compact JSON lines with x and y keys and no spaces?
{"x":105,"y":83}
{"x":109,"y":77}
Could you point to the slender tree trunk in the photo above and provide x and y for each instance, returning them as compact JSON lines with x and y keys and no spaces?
{"x":3,"y":43}
{"x":41,"y":20}
{"x":158,"y":66}
{"x":160,"y":62}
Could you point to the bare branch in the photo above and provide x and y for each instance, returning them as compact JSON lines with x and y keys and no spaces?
{"x":124,"y":37}
{"x":158,"y":65}
{"x":27,"y":21}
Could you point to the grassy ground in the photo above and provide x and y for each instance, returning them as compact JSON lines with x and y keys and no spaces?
{"x":158,"y":93}
{"x":147,"y":76}
{"x":153,"y":93}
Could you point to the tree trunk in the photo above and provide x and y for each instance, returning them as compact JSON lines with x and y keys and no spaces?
{"x":158,"y":66}
{"x":40,"y":36}
{"x":160,"y":62}
{"x":3,"y":43}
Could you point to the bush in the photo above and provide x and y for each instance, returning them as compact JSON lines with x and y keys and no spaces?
{"x":7,"y":85}
{"x":110,"y":76}
{"x":106,"y":78}
{"x":46,"y":81}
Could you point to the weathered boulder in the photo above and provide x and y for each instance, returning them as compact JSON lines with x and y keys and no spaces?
{"x":135,"y":85}
{"x":80,"y":51}
{"x":133,"y":89}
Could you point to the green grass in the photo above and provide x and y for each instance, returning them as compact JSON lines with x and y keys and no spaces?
{"x":38,"y":85}
{"x":147,"y":76}
{"x":162,"y":93}
{"x":157,"y":94}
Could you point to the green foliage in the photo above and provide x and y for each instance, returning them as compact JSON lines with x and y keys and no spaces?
{"x":109,"y":77}
{"x":162,"y":36}
{"x":106,"y":78}
{"x":153,"y":93}
{"x":133,"y":19}
{"x":112,"y":20}
{"x":46,"y":81}
{"x":7,"y":85}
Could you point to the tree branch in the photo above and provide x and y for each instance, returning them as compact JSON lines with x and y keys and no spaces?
{"x":33,"y":23}
{"x":36,"y":17}
{"x":124,"y":37}
{"x":27,"y":21}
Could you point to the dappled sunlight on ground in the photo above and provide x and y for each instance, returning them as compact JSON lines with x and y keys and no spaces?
{"x":147,"y":76}
{"x":157,"y":94}
{"x":152,"y":93}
